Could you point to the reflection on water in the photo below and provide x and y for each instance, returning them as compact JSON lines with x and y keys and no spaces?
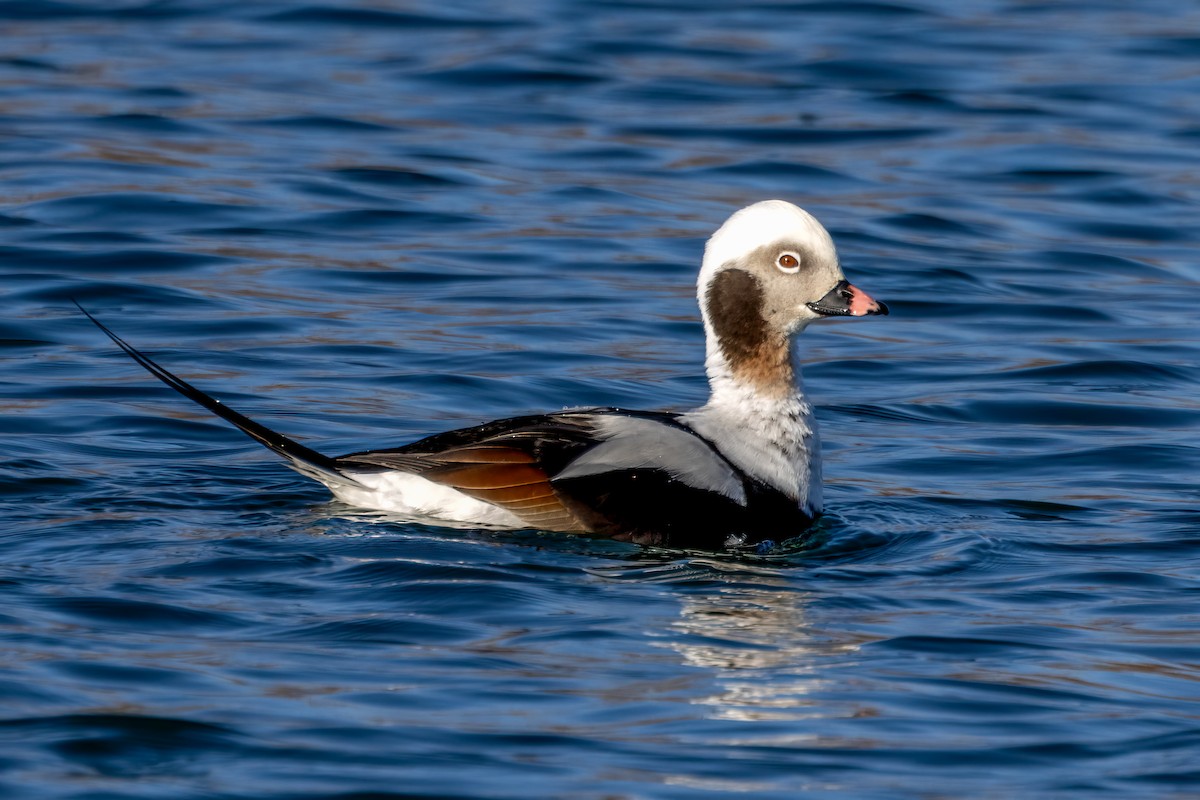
{"x":766,"y":659}
{"x":746,"y":624}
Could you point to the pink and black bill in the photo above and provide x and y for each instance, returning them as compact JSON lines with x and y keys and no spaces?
{"x":847,"y":300}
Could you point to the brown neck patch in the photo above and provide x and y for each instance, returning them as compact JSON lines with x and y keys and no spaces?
{"x":754,"y":352}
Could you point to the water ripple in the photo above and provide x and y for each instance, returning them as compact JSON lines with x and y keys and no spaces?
{"x":367,"y":221}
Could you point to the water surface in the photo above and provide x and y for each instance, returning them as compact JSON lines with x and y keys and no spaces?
{"x":365,"y":222}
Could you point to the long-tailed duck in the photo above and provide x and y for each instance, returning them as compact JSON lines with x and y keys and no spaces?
{"x":742,"y":468}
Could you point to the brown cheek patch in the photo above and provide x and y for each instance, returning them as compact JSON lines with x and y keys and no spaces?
{"x":735,"y":301}
{"x":754,"y":352}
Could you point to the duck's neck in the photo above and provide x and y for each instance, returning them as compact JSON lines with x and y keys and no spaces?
{"x":759,"y":418}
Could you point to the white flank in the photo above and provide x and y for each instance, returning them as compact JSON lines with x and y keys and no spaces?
{"x":405,"y":493}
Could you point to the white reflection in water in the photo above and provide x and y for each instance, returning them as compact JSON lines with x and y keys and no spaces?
{"x":767,"y":659}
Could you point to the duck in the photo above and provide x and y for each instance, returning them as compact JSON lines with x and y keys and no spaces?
{"x":742,"y":469}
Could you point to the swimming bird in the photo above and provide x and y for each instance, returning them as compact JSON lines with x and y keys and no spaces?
{"x":743,"y":468}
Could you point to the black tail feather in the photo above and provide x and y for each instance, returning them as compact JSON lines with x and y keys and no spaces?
{"x":304,"y":459}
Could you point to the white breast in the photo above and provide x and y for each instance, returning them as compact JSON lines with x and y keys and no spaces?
{"x":772,"y":439}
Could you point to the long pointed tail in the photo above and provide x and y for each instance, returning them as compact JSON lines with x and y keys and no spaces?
{"x":303,"y":459}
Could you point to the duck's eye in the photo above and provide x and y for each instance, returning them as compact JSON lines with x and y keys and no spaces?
{"x":788,"y":262}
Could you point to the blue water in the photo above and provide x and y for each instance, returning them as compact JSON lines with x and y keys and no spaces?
{"x":364,"y":222}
